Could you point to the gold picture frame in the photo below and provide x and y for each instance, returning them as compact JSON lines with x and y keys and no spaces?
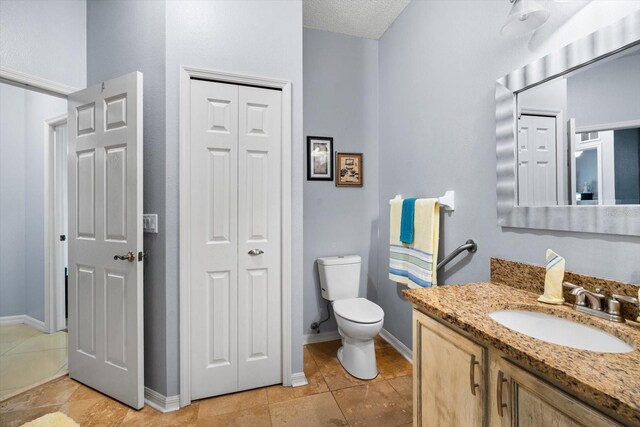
{"x":349,"y":170}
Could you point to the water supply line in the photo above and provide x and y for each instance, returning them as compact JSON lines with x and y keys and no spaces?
{"x":315,"y":326}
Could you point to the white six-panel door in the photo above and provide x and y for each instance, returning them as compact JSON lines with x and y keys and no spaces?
{"x":235,"y":231}
{"x":537,"y":173}
{"x":259,"y":231}
{"x":105,"y":220}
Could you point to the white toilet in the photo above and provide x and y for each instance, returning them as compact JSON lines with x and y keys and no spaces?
{"x":359,"y":320}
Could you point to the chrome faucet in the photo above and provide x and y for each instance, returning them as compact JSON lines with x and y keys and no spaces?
{"x":596,"y":299}
{"x":598,"y":302}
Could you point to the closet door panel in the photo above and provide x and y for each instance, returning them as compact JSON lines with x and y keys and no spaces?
{"x":213,"y":233}
{"x":259,"y":231}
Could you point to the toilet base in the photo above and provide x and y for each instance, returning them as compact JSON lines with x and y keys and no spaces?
{"x":358,"y":358}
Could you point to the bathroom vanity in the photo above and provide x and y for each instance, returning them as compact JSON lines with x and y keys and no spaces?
{"x":470,"y":370}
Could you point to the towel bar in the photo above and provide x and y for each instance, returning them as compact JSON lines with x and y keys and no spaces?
{"x":447,"y":202}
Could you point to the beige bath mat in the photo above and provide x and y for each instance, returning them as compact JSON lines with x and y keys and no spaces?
{"x":54,"y":419}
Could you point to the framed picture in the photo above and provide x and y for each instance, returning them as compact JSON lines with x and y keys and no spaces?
{"x":349,"y":170}
{"x":319,"y":158}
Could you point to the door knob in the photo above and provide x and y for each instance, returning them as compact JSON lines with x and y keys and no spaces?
{"x":255,"y":252}
{"x":130,"y":256}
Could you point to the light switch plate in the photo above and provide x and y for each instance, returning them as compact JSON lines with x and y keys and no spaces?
{"x":150,"y":223}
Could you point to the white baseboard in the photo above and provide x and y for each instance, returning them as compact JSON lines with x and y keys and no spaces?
{"x":397,"y":344}
{"x":34,"y":323}
{"x":11,"y":320}
{"x":321,"y":337}
{"x":298,"y":379}
{"x":22,"y":319}
{"x":160,"y":402}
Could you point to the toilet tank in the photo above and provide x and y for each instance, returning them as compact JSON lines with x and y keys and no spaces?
{"x":339,"y":276}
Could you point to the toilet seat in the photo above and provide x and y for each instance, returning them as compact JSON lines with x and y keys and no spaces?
{"x":359,"y":310}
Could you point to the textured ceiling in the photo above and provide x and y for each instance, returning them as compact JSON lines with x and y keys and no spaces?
{"x":361,"y":18}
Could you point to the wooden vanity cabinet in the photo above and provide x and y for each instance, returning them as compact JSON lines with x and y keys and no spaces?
{"x":447,"y":366}
{"x":525,"y":400}
{"x":448,"y":376}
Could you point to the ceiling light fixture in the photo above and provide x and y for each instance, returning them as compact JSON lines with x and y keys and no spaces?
{"x":524,"y":17}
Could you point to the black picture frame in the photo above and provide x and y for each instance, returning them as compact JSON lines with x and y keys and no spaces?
{"x":319,"y":158}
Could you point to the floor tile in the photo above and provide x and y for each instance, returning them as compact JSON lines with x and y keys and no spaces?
{"x":383,"y":348}
{"x":233,"y":402}
{"x":84,"y":393}
{"x":337,"y":377}
{"x":148,"y":416}
{"x":373,"y":404}
{"x":380,"y":402}
{"x":324,"y":351}
{"x":310,"y":411}
{"x":21,"y":370}
{"x":394,"y":365}
{"x":316,"y":383}
{"x":56,"y":392}
{"x":404,"y":386}
{"x":41,"y":342}
{"x":6,"y":346}
{"x":4,"y":394}
{"x":17,"y":418}
{"x":257,"y":416}
{"x":17,"y":333}
{"x":92,"y":412}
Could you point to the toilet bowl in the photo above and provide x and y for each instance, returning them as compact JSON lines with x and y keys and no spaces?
{"x":359,"y":320}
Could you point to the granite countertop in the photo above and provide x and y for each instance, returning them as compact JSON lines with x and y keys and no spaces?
{"x":612,"y":381}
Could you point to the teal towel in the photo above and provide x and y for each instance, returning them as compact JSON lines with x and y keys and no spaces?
{"x":406,"y":221}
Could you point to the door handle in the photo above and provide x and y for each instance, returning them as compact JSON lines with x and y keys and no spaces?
{"x":254,"y":252}
{"x":130,"y":256}
{"x":472,"y":374}
{"x":501,"y":381}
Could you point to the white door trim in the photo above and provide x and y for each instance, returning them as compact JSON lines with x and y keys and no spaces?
{"x":186,"y":74}
{"x":54,"y":318}
{"x":38,"y":84}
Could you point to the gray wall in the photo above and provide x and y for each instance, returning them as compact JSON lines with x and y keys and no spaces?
{"x":13,"y":295}
{"x":341,"y":101}
{"x":437,"y":133}
{"x":606,"y":93}
{"x":156,"y":37}
{"x":248,"y":37}
{"x":122,"y":37}
{"x":626,"y":148}
{"x":22,"y":118}
{"x":45,"y":38}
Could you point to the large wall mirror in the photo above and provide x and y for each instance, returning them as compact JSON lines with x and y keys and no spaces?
{"x":568,"y":136}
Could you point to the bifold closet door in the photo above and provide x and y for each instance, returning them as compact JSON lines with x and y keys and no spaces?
{"x":259,"y":228}
{"x":214,"y":239}
{"x":235,"y":233}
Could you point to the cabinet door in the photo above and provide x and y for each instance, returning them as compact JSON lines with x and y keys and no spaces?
{"x":523,"y":400}
{"x":448,"y":376}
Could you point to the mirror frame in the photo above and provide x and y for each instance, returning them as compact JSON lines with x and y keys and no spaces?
{"x":611,"y":219}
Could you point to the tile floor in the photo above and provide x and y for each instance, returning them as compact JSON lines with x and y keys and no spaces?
{"x":28,"y":357}
{"x":332,"y":398}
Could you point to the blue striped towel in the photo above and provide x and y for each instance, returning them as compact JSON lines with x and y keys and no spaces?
{"x":414,"y":264}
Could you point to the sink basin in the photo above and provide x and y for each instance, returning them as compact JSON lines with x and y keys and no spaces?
{"x":557,"y":330}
